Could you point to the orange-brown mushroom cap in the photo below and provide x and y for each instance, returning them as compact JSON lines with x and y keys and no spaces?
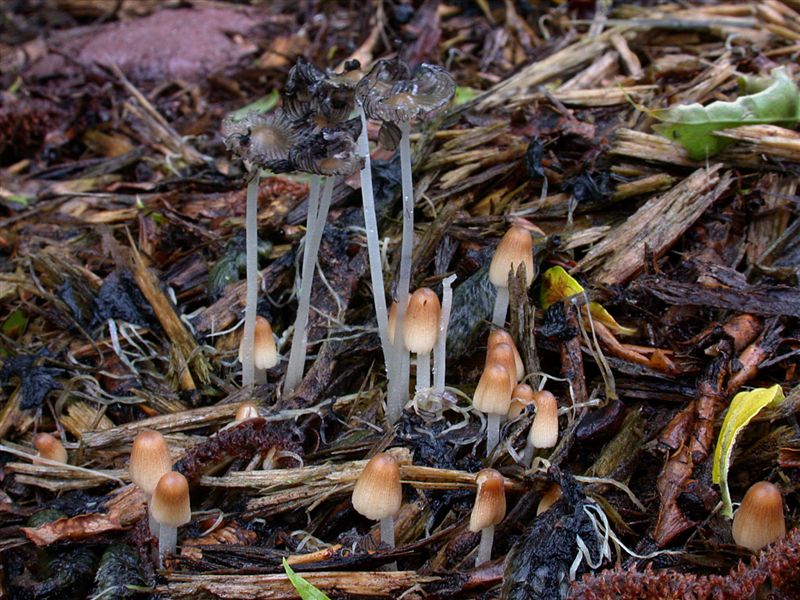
{"x":50,"y":447}
{"x":759,"y":520}
{"x":493,"y":394}
{"x":421,"y":326}
{"x":501,"y":336}
{"x":170,"y":504}
{"x":490,"y":501}
{"x":521,"y":397}
{"x":515,"y":248}
{"x":378,"y":492}
{"x":150,"y":460}
{"x":544,"y":430}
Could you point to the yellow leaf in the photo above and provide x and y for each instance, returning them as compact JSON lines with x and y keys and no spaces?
{"x":558,"y":285}
{"x":744,"y":406}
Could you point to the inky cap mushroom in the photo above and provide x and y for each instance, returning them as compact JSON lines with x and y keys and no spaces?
{"x":331,"y":151}
{"x":262,"y":139}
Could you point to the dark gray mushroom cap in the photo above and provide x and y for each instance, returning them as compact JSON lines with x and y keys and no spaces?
{"x":301,"y":88}
{"x":390,"y":93}
{"x":262,"y":139}
{"x":331,"y":151}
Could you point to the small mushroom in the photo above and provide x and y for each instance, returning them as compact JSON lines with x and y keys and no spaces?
{"x":544,"y":429}
{"x":493,"y":396}
{"x":171,"y":509}
{"x":489,"y":510}
{"x":503,"y":354}
{"x":521,"y":398}
{"x":50,"y":447}
{"x":422,"y":330}
{"x":378,"y":493}
{"x":150,"y":460}
{"x":246,"y":410}
{"x":265,"y":352}
{"x":759,"y":520}
{"x":515,"y":248}
{"x":501,"y":336}
{"x":551,"y":495}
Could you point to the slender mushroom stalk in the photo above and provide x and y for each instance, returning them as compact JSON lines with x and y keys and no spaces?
{"x":493,"y":396}
{"x":759,"y":520}
{"x":150,"y":460}
{"x":544,"y":429}
{"x":440,"y":352}
{"x":50,"y":447}
{"x":521,"y":398}
{"x":378,"y":494}
{"x":171,"y":509}
{"x":421,"y":331}
{"x":515,"y":248}
{"x":373,"y":242}
{"x":297,"y":355}
{"x":489,"y":510}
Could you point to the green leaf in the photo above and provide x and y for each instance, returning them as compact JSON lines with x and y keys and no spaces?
{"x":558,"y":285}
{"x":693,"y":125}
{"x":464,"y":95}
{"x":744,"y":406}
{"x":262,"y":105}
{"x":305,"y":589}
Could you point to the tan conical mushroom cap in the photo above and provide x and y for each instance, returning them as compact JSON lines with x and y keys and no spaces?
{"x":490,"y":501}
{"x":521,"y":397}
{"x":421,"y":327}
{"x":266,"y":352}
{"x":759,"y":520}
{"x":150,"y":460}
{"x":493,"y":394}
{"x":246,"y":410}
{"x":550,"y":497}
{"x":544,"y":430}
{"x":170,"y":503}
{"x":392,"y":320}
{"x":515,"y":248}
{"x":50,"y":447}
{"x":378,"y":492}
{"x":501,"y":336}
{"x":502,"y":354}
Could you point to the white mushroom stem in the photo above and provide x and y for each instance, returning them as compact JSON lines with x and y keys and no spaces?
{"x":260,"y":376}
{"x":251,"y":304}
{"x":154,"y":526}
{"x":492,"y":432}
{"x":500,"y":307}
{"x":373,"y":242}
{"x":387,"y":531}
{"x":398,"y":388}
{"x":440,"y":352}
{"x":317,"y":216}
{"x":485,"y":547}
{"x":167,"y":542}
{"x":423,"y":370}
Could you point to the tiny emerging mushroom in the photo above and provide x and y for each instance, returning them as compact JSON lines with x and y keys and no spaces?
{"x":544,"y":429}
{"x":422,"y":330}
{"x":246,"y":410}
{"x":50,"y":447}
{"x":489,"y":510}
{"x":378,"y":493}
{"x":493,"y":397}
{"x":150,"y":460}
{"x":515,"y":248}
{"x":265,"y":352}
{"x":171,"y":509}
{"x":759,"y":520}
{"x":521,"y":397}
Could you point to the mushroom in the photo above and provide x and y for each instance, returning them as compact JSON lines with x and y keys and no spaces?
{"x":759,"y":520}
{"x":150,"y":460}
{"x":263,"y":141}
{"x":521,"y":397}
{"x":50,"y":447}
{"x":544,"y":429}
{"x":393,"y":95}
{"x":378,"y":493}
{"x":501,"y":336}
{"x":170,"y":509}
{"x":246,"y":410}
{"x":265,"y":352}
{"x":493,"y":396}
{"x":421,"y":331}
{"x":551,"y":495}
{"x":489,"y":510}
{"x":503,"y":354}
{"x":515,"y":248}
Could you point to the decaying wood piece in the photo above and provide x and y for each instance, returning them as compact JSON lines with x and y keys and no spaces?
{"x":375,"y":584}
{"x":655,"y":227}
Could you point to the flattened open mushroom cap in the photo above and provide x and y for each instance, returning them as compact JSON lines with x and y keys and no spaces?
{"x":390,"y":93}
{"x":300,"y":89}
{"x":263,"y":139}
{"x":332,"y":151}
